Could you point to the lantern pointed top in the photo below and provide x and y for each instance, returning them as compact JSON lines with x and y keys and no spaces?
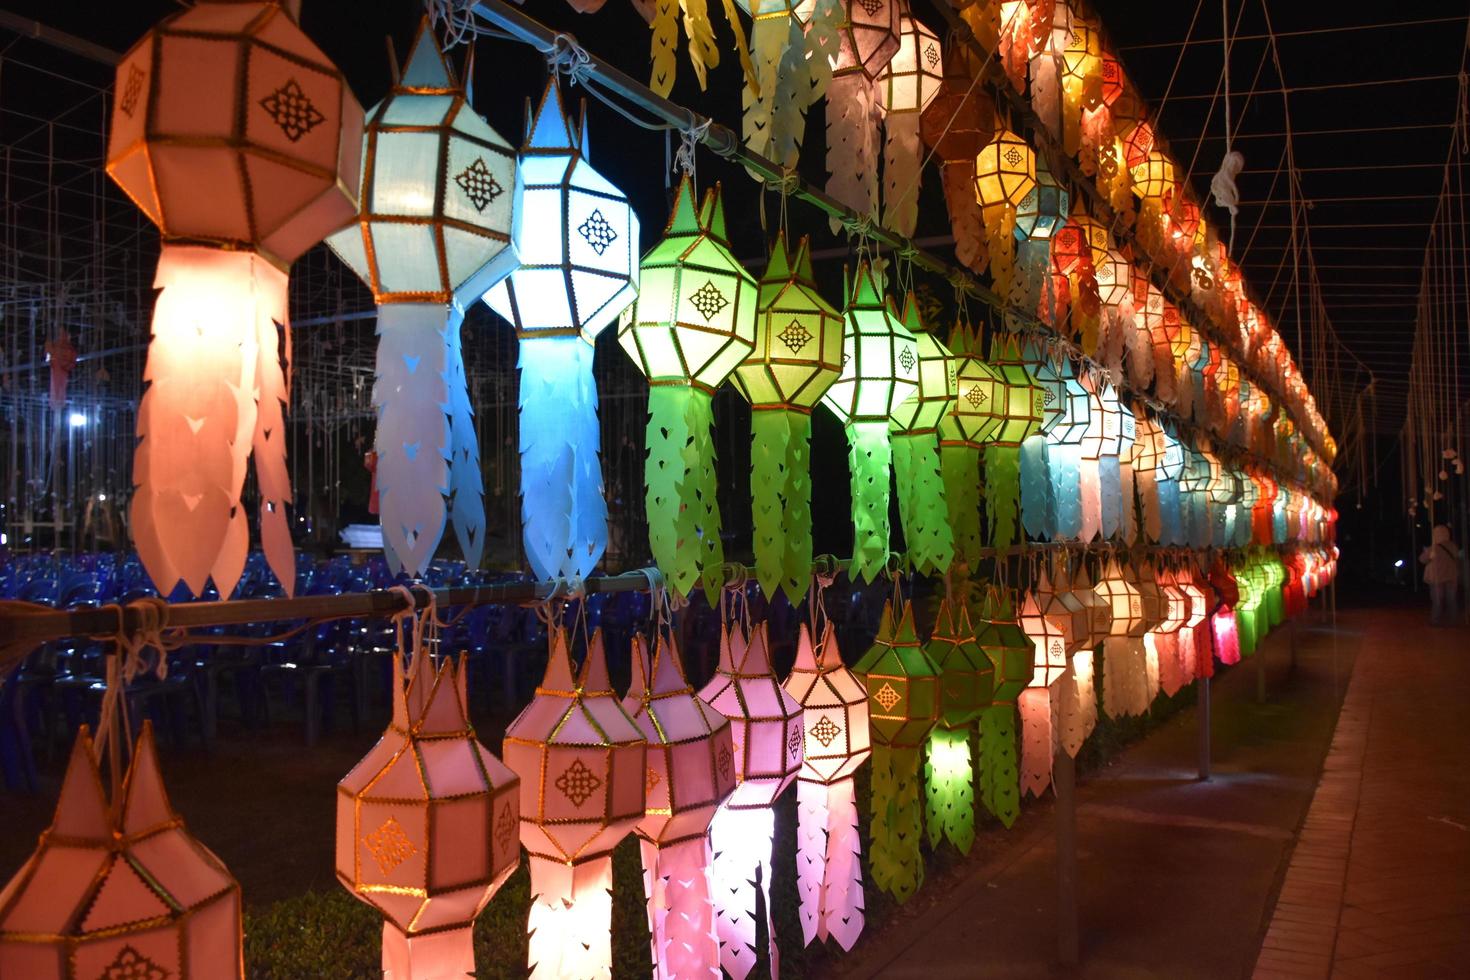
{"x":911,"y":317}
{"x":944,"y":620}
{"x":146,"y":803}
{"x":558,"y":677}
{"x":885,"y":625}
{"x":684,"y":218}
{"x":595,"y":678}
{"x":758,"y":653}
{"x":712,"y":214}
{"x":806,"y":652}
{"x":803,"y":261}
{"x":81,"y":811}
{"x":778,"y":269}
{"x":427,"y":67}
{"x":960,"y":338}
{"x":864,"y":288}
{"x":549,"y":128}
{"x":668,"y":671}
{"x":906,"y":633}
{"x":641,"y":683}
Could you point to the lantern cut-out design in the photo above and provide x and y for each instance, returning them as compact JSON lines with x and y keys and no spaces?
{"x":691,"y":326}
{"x":1005,"y":172}
{"x":834,"y":710}
{"x":869,"y":36}
{"x":1155,"y":615}
{"x":914,"y":432}
{"x":685,"y":785}
{"x":1125,"y":681}
{"x":1078,"y":709}
{"x":780,"y":85}
{"x":578,"y":270}
{"x":583,"y":765}
{"x":766,"y":724}
{"x":906,"y":87}
{"x":903,"y":704}
{"x":1050,"y":635}
{"x":880,"y":371}
{"x":1024,"y":408}
{"x":957,"y":124}
{"x":428,"y":823}
{"x":1074,"y":278}
{"x":1011,"y":653}
{"x":1033,"y":289}
{"x":797,"y":357}
{"x":966,"y":681}
{"x":439,"y":225}
{"x":1067,"y":413}
{"x":973,"y":419}
{"x":119,"y":889}
{"x":239,"y":139}
{"x":1164,"y":641}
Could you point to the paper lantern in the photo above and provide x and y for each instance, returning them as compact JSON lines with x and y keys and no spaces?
{"x":780,"y":82}
{"x":903,"y":704}
{"x":1011,"y":653}
{"x":1155,"y":615}
{"x":691,"y":326}
{"x":239,"y":139}
{"x":1125,"y":660}
{"x":834,"y":708}
{"x":1078,"y":693}
{"x":1049,"y":636}
{"x":1082,"y":78}
{"x":1044,"y":208}
{"x":427,"y":822}
{"x":119,"y":890}
{"x":797,"y":356}
{"x":578,"y":271}
{"x":869,"y":37}
{"x":1024,"y":402}
{"x":906,"y":86}
{"x":973,"y":419}
{"x":914,"y":433}
{"x":1066,"y":415}
{"x":439,"y":225}
{"x":957,"y":124}
{"x":966,"y":681}
{"x":583,"y":765}
{"x":766,"y":723}
{"x":1074,"y":275}
{"x":880,"y":370}
{"x":684,"y":787}
{"x":1005,"y":172}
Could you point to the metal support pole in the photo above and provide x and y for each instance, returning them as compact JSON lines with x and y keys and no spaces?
{"x":1204,"y":729}
{"x":1064,"y":781}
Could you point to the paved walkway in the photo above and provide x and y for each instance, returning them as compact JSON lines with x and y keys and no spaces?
{"x":1379,"y":882}
{"x":1176,"y":877}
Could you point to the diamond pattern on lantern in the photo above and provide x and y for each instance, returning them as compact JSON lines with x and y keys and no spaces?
{"x":975,"y":396}
{"x":480,"y":185}
{"x":793,"y":743}
{"x":578,"y":783}
{"x":505,"y":826}
{"x":723,"y":760}
{"x":651,"y":780}
{"x":887,"y":696}
{"x":795,"y":337}
{"x":598,"y":232}
{"x":131,"y":91}
{"x":871,"y":7}
{"x":931,"y":55}
{"x":708,"y":300}
{"x":133,"y":965}
{"x":1050,"y":397}
{"x":825,"y":731}
{"x":292,"y":110}
{"x":906,"y":358}
{"x":1013,"y":156}
{"x":389,"y":845}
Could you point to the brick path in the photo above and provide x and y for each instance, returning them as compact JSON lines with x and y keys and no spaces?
{"x":1379,"y":881}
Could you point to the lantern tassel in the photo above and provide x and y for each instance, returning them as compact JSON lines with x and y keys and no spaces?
{"x":670,"y":524}
{"x":1000,"y":788}
{"x":1147,"y":486}
{"x":781,"y":500}
{"x":1036,"y":706}
{"x":775,"y":106}
{"x":852,"y":144}
{"x":699,"y":494}
{"x":466,"y":485}
{"x":1036,"y":489}
{"x":921,"y":505}
{"x":1065,"y":466}
{"x":1002,"y":493}
{"x":1110,"y":482}
{"x":1126,"y":501}
{"x":681,"y":916}
{"x":1090,"y":484}
{"x":569,"y":921}
{"x":798,"y":559}
{"x":1171,"y":664}
{"x":741,"y":840}
{"x":902,"y":157}
{"x":1171,"y":528}
{"x":813,"y":816}
{"x":897,"y":825}
{"x":870,"y":456}
{"x":965,"y":215}
{"x":273,"y":400}
{"x":960,"y":467}
{"x":1046,"y":96}
{"x":1078,"y":711}
{"x":822,"y":45}
{"x":950,"y":786}
{"x":563,"y":511}
{"x":842,"y":889}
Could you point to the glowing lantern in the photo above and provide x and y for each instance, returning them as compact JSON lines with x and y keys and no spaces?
{"x":1078,"y":710}
{"x":691,"y":326}
{"x":1024,"y":409}
{"x":906,"y":87}
{"x":780,"y":79}
{"x":958,"y":123}
{"x":119,"y":890}
{"x":427,"y":822}
{"x":583,"y":765}
{"x":1164,"y":642}
{"x":684,"y":786}
{"x":1005,"y":172}
{"x":965,"y":686}
{"x":1155,"y":615}
{"x":1223,"y":623}
{"x":1075,"y":277}
{"x":869,"y":38}
{"x":903,"y":705}
{"x":914,"y":433}
{"x":578,"y":271}
{"x":1082,"y":81}
{"x":1192,"y":646}
{"x":1043,"y":209}
{"x":1067,"y":413}
{"x":766,"y":724}
{"x":1125,"y":665}
{"x":829,"y":872}
{"x":797,"y":356}
{"x":1039,"y":215}
{"x":438,"y":226}
{"x":880,"y":370}
{"x":1049,"y":640}
{"x":1011,"y":653}
{"x":240,"y":140}
{"x":973,"y":418}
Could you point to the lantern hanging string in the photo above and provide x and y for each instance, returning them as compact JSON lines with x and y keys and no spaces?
{"x":124,"y":665}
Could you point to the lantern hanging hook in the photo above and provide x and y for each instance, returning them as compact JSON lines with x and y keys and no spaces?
{"x":567,"y":57}
{"x":689,"y":137}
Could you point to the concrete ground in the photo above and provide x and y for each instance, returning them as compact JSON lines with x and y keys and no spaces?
{"x":1176,"y":877}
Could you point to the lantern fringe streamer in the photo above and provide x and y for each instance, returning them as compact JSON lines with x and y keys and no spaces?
{"x":1126,"y":500}
{"x":1064,"y":464}
{"x":466,"y":485}
{"x":829,"y":874}
{"x":1089,"y":478}
{"x":822,"y":45}
{"x":1171,"y":664}
{"x":949,"y":776}
{"x":681,"y":911}
{"x":775,"y":108}
{"x":1002,"y":493}
{"x":741,"y":864}
{"x":1077,"y":714}
{"x":413,"y":436}
{"x":1147,"y":486}
{"x":679,"y":474}
{"x":1171,"y":529}
{"x":1037,"y":708}
{"x":921,"y":503}
{"x":219,"y":334}
{"x":870,"y":458}
{"x":966,"y":218}
{"x":1036,"y":489}
{"x":897,"y":824}
{"x":1125,"y":677}
{"x":1000,"y":788}
{"x":960,"y":468}
{"x":780,"y":487}
{"x":563,"y":510}
{"x":902,"y":159}
{"x":853,"y":114}
{"x":570,"y":912}
{"x":1110,"y":482}
{"x":1046,"y":93}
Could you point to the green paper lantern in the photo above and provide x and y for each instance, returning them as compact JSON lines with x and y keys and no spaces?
{"x":1021,"y":419}
{"x":691,"y":326}
{"x":1011,"y":652}
{"x":1008,"y":648}
{"x":914,"y":430}
{"x":965,"y":682}
{"x":970,"y":423}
